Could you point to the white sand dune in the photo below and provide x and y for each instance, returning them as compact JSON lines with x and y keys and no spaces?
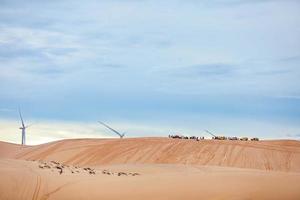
{"x":168,"y":168}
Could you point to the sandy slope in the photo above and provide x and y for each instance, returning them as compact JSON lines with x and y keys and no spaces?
{"x":168,"y":168}
{"x":9,"y":150}
{"x":266,"y":155}
{"x":24,"y":180}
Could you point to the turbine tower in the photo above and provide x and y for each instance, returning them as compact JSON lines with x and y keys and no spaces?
{"x":113,"y":130}
{"x":23,"y":128}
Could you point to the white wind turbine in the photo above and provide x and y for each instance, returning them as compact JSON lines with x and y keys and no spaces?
{"x":113,"y":130}
{"x":23,"y":128}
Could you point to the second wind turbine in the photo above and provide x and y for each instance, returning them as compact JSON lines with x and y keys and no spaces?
{"x":113,"y":130}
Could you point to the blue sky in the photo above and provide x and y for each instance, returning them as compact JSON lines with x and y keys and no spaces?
{"x":150,"y":67}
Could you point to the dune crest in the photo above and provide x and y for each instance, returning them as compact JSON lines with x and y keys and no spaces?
{"x":151,"y":168}
{"x":277,"y":155}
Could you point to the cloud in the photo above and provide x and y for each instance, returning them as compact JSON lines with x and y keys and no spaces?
{"x":293,"y":135}
{"x":46,"y":131}
{"x":148,"y":59}
{"x":273,"y":72}
{"x":236,"y":2}
{"x":38,"y":45}
{"x":36,"y":38}
{"x":6,"y":110}
{"x":294,"y":97}
{"x":290,"y":59}
{"x":207,"y":70}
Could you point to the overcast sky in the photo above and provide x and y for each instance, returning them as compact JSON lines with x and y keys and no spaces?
{"x":150,"y":68}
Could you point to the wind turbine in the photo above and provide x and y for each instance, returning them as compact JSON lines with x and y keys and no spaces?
{"x":216,"y":137}
{"x":23,"y":128}
{"x":210,"y":133}
{"x":113,"y":130}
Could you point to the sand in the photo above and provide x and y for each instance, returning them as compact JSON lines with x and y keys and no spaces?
{"x":165,"y":169}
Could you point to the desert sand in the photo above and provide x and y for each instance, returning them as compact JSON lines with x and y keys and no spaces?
{"x":151,"y":168}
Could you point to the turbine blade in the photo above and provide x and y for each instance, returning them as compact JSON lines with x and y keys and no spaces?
{"x":21,"y":118}
{"x":113,"y":130}
{"x":210,"y":133}
{"x":29,"y":125}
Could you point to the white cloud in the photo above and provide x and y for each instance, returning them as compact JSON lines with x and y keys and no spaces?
{"x":46,"y":131}
{"x":60,"y":58}
{"x":36,"y":38}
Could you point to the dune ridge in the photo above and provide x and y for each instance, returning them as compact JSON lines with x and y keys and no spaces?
{"x":277,"y":155}
{"x":163,"y":169}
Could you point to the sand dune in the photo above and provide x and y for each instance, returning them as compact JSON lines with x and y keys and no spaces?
{"x":266,"y":155}
{"x":24,"y":180}
{"x":167,"y":168}
{"x":9,"y":150}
